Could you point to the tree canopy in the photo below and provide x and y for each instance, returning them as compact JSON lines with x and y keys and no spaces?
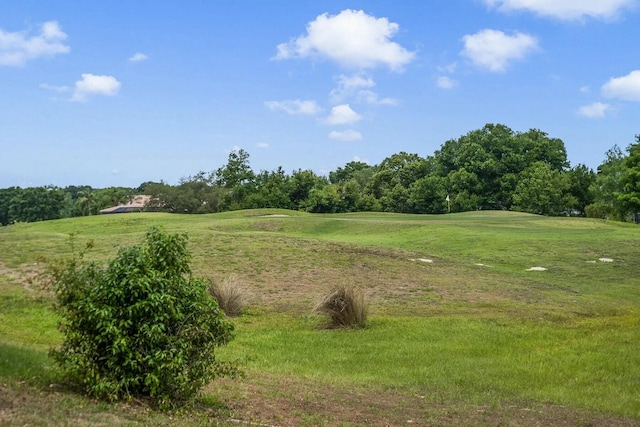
{"x":489,"y":168}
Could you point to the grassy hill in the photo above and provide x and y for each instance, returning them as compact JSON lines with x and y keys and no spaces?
{"x":462,"y":331}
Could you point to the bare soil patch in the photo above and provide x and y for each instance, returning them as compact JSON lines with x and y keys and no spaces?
{"x":277,"y":401}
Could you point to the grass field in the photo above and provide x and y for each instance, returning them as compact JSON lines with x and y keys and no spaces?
{"x":460,"y":331}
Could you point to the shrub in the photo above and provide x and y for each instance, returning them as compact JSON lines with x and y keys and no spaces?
{"x":230,"y":295}
{"x":346,"y":307}
{"x":141,"y":326}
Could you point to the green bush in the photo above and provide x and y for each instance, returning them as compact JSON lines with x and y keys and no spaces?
{"x":141,"y":326}
{"x":346,"y":307}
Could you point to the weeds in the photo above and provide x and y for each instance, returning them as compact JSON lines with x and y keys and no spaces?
{"x":231,"y":296}
{"x":346,"y":307}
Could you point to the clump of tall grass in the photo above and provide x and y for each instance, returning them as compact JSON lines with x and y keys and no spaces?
{"x":346,"y":307}
{"x":231,"y":296}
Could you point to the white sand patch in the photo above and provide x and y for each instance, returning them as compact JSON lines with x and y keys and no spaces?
{"x":537,"y":269}
{"x":605,"y":260}
{"x":421,"y":260}
{"x":481,"y":265}
{"x":275,"y":216}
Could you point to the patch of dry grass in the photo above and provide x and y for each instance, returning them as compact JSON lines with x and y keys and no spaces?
{"x":231,"y":295}
{"x":346,"y":307}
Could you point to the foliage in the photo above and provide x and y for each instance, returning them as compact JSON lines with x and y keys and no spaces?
{"x":230,"y":295}
{"x":492,"y":168}
{"x":629,"y":197}
{"x":346,"y":307}
{"x":541,"y":191}
{"x":608,"y":183}
{"x":142,"y":326}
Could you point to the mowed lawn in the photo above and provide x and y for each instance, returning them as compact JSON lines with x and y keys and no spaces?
{"x":480,"y":318}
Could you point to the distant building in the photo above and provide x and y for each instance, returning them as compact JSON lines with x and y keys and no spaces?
{"x":136,"y":204}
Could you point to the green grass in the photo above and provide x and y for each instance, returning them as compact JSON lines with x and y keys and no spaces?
{"x":591,"y":364}
{"x":454,"y":331}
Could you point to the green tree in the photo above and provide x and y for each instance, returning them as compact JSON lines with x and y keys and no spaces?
{"x":428,"y":195}
{"x":236,"y":172}
{"x":609,"y":181}
{"x":6,"y":196}
{"x":142,"y":326}
{"x":629,"y":197}
{"x":541,"y":190}
{"x":581,"y":180}
{"x":38,"y":204}
{"x":272,"y":190}
{"x":302,"y":182}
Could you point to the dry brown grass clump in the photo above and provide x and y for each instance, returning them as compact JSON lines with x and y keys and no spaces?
{"x":231,"y":296}
{"x":346,"y":307}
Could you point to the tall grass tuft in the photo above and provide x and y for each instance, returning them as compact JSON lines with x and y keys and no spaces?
{"x":231,"y":296}
{"x":346,"y":307}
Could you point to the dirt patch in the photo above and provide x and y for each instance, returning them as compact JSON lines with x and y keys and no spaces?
{"x":27,"y":275}
{"x":277,"y":401}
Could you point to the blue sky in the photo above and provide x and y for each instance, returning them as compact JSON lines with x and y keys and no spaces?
{"x":116,"y":93}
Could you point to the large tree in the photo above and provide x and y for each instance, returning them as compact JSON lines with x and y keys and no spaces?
{"x":608,"y":183}
{"x":629,"y":197}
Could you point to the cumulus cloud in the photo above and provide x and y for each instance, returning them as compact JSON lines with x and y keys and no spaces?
{"x":564,"y":9}
{"x":494,"y":50}
{"x":294,"y":107}
{"x":138,"y":57}
{"x":347,"y":135}
{"x":19,"y":47}
{"x":445,"y":82}
{"x":625,"y":87}
{"x":92,"y":84}
{"x":352,"y":39}
{"x":343,"y":115}
{"x":596,"y":110}
{"x":358,"y":87}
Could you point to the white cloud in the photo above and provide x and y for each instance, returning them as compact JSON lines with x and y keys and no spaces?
{"x":585,"y":89}
{"x":625,"y":87}
{"x":449,"y":68}
{"x":347,"y":135}
{"x":445,"y":82}
{"x":357,"y":87}
{"x":59,"y":89}
{"x":493,"y":49}
{"x":138,"y":57}
{"x":295,"y":106}
{"x":19,"y":47}
{"x":92,"y":84}
{"x":352,"y":39}
{"x":595,"y":110}
{"x":342,"y":115}
{"x":564,"y":9}
{"x":262,"y":145}
{"x":349,"y":86}
{"x":370,"y":97}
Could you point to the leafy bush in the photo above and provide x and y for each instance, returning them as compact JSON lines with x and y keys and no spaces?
{"x":346,"y":307}
{"x":141,"y":326}
{"x":230,"y":295}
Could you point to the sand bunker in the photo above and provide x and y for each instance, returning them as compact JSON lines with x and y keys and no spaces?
{"x":537,"y":269}
{"x":605,"y":260}
{"x":427,"y":260}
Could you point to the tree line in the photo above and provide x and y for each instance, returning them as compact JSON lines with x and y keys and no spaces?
{"x":490,"y":168}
